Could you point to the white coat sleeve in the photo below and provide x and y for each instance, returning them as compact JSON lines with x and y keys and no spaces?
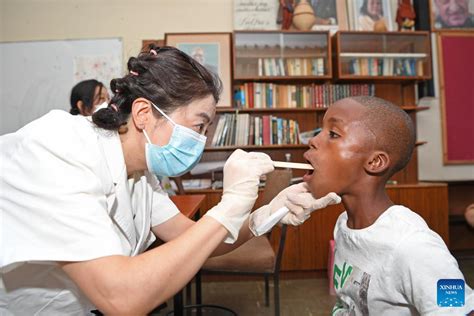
{"x":163,"y":208}
{"x":54,"y":204}
{"x":422,"y":260}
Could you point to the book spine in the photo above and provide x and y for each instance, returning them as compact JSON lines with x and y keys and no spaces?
{"x":266,"y":129}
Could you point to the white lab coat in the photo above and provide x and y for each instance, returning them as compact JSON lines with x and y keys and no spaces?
{"x":65,"y":196}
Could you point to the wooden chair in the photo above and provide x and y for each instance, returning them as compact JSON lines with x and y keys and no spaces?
{"x":256,"y":256}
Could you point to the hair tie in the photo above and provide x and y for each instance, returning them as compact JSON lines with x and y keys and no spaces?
{"x":153,"y":52}
{"x":113,"y":106}
{"x":133,"y":73}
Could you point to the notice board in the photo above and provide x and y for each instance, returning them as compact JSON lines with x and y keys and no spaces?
{"x":456,"y":79}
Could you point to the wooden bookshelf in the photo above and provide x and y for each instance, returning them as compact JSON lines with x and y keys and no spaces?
{"x":279,"y":55}
{"x":249,"y":46}
{"x":391,"y":56}
{"x":307,"y":245}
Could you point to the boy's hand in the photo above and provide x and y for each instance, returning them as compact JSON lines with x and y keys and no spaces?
{"x":298,"y":200}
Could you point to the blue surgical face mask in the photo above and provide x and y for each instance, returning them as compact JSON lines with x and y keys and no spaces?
{"x":181,"y":154}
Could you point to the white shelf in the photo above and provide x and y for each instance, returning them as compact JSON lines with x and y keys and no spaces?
{"x":385,"y":55}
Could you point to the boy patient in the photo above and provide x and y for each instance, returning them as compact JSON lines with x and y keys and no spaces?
{"x":387,"y":260}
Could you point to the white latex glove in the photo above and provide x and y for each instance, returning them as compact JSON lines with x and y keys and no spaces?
{"x":298,"y":200}
{"x":242,"y":173}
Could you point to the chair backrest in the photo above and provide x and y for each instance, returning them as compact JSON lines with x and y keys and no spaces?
{"x":281,"y":247}
{"x":276,"y":181}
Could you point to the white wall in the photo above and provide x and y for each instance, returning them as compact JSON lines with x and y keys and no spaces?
{"x":132,"y":20}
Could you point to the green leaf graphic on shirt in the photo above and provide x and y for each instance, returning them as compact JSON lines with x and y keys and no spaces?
{"x":340,"y":276}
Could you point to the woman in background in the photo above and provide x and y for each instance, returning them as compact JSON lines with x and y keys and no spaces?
{"x":86,"y":96}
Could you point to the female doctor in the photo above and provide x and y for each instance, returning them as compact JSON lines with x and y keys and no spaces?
{"x":81,"y":202}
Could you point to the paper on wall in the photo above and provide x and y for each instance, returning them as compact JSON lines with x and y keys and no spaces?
{"x":255,"y":14}
{"x":100,"y":67}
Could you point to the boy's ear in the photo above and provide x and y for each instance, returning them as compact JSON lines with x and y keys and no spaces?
{"x":378,"y":162}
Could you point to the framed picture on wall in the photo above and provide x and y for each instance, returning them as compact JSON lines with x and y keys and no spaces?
{"x":371,"y":15}
{"x":330,"y":15}
{"x":452,"y":15}
{"x":213,"y":51}
{"x":147,"y":42}
{"x":255,"y":14}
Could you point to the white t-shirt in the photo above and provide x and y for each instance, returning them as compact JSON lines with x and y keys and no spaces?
{"x":392,"y":267}
{"x":65,"y":196}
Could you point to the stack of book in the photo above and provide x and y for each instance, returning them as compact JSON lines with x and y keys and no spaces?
{"x":386,"y":67}
{"x":269,"y":67}
{"x":244,"y":130}
{"x":269,"y":95}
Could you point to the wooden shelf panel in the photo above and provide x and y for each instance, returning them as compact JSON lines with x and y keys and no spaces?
{"x":419,"y":185}
{"x":287,"y":109}
{"x":285,"y":78}
{"x":414,"y":108}
{"x":269,"y":110}
{"x":276,"y":147}
{"x":382,"y":78}
{"x":384,"y":55}
{"x":251,"y":55}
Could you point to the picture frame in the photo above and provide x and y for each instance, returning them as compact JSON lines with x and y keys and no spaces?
{"x":213,"y":51}
{"x":453,"y":15}
{"x":255,"y":15}
{"x":361,"y":11}
{"x":330,"y":15}
{"x":147,"y":42}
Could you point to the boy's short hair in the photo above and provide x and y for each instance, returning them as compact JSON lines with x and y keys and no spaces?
{"x":393,"y":128}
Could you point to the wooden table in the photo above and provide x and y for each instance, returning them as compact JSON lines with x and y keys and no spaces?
{"x":189,"y":205}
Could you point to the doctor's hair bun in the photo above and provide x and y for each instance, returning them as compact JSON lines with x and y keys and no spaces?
{"x":108,"y":118}
{"x":165,"y":76}
{"x":135,"y":67}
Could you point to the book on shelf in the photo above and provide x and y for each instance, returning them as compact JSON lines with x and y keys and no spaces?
{"x":218,"y":130}
{"x":281,"y":67}
{"x":259,"y":95}
{"x":387,"y":66}
{"x":243,"y":130}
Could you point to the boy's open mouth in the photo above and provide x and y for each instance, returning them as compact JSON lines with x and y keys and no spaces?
{"x":309,"y":173}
